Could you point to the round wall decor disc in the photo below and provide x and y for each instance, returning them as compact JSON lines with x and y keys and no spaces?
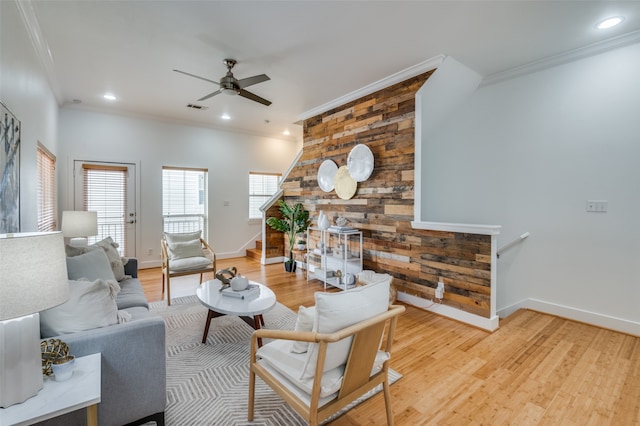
{"x":345,"y":185}
{"x":360,"y":162}
{"x":326,"y":175}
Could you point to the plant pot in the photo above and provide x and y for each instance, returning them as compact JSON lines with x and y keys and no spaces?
{"x":290,"y":266}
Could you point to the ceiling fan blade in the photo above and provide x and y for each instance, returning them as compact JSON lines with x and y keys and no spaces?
{"x":253,"y":97}
{"x":250,"y":81}
{"x":210,"y":95}
{"x":197,"y":76}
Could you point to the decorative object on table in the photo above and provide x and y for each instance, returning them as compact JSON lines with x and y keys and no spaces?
{"x":226,"y":275}
{"x":360,"y":163}
{"x":33,"y":278}
{"x":326,"y":175}
{"x":247,"y":292}
{"x":9,"y":171}
{"x":323,"y":221}
{"x":302,"y":244}
{"x":349,"y":279}
{"x":51,"y":350}
{"x":295,"y":220}
{"x":345,"y":185}
{"x":341,"y":226}
{"x":341,"y":221}
{"x":78,"y":225}
{"x":63,"y":368}
{"x":239,"y":283}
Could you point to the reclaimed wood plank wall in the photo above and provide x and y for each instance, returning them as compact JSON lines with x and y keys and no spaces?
{"x":383,"y":205}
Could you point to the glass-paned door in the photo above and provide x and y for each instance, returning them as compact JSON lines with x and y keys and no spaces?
{"x":109,"y":189}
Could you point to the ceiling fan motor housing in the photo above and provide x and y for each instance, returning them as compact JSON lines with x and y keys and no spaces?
{"x":228,"y":85}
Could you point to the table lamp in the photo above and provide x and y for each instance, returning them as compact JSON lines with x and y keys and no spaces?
{"x":33,"y":277}
{"x":78,"y":225}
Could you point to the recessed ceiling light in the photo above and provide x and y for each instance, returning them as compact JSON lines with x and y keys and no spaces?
{"x":609,"y":22}
{"x":109,"y":96}
{"x":286,"y":132}
{"x":225,"y":116}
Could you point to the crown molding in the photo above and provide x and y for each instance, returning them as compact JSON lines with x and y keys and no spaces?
{"x":398,"y":77}
{"x":564,"y":57}
{"x":40,"y":45}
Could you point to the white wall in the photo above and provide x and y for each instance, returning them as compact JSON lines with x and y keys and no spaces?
{"x":526,"y":154}
{"x":151,"y":144}
{"x":24,"y":89}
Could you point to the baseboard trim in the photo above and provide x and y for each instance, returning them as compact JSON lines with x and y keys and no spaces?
{"x":489,"y":324}
{"x":574,"y":314}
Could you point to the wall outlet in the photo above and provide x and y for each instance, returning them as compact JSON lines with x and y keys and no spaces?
{"x":440,"y":290}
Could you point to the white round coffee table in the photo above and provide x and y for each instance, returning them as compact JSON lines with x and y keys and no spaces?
{"x":250,"y":309}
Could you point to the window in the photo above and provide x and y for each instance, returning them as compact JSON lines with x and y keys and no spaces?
{"x":261,"y":187}
{"x":105,"y":192}
{"x":47,"y":200}
{"x":184,"y":200}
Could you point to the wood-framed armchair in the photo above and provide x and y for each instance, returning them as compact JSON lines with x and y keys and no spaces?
{"x":181,"y":256}
{"x":339,"y":366}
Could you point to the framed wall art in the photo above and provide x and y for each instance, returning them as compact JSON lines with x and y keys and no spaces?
{"x":10,"y":171}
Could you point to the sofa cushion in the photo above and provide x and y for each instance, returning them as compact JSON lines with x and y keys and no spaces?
{"x":91,"y":304}
{"x":131,"y":294}
{"x":183,"y":250}
{"x":304,"y":322}
{"x":335,"y":311}
{"x":91,"y":265}
{"x":189,"y":263}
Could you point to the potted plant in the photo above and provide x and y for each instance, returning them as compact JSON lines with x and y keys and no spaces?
{"x":302,"y":244}
{"x":295,"y":220}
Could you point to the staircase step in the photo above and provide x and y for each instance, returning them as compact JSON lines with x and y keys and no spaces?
{"x":259,"y":245}
{"x":254,"y":254}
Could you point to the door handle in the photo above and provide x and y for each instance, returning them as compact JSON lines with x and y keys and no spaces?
{"x":131,"y":221}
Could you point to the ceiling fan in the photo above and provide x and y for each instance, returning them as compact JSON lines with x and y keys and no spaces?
{"x":232,"y":86}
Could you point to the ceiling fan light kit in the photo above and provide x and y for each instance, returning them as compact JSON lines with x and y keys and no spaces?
{"x":230,"y":85}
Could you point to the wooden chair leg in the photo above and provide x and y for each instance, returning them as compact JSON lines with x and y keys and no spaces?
{"x":252,"y":391}
{"x":168,"y":290}
{"x":163,"y":281}
{"x":200,"y":277}
{"x":387,"y":401}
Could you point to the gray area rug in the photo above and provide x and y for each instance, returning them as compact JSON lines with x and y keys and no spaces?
{"x":207,"y":384}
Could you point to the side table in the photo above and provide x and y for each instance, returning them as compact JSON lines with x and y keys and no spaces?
{"x":57,"y":398}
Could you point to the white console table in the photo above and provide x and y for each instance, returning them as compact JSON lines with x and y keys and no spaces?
{"x":82,"y":390}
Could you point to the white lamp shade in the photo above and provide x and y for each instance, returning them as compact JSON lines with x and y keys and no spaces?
{"x":33,"y":273}
{"x":78,"y":223}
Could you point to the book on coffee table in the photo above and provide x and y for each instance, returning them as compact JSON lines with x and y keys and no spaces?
{"x":251,"y":290}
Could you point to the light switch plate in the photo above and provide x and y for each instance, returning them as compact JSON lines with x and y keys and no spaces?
{"x":597,"y":206}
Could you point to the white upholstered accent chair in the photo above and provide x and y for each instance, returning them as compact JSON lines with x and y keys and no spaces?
{"x":337,"y":353}
{"x":185,"y":254}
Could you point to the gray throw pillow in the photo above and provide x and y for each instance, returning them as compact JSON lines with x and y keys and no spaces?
{"x":92,"y":265}
{"x":181,"y":237}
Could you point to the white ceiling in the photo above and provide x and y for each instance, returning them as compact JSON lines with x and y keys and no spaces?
{"x":314,"y":51}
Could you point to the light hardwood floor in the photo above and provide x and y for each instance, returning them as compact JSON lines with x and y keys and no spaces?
{"x":535,"y":370}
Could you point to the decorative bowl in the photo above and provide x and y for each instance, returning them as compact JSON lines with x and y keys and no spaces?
{"x":63,"y":368}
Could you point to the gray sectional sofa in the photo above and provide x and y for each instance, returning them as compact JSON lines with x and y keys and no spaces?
{"x":133,"y":389}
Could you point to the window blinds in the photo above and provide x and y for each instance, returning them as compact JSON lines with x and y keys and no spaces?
{"x":261,"y":187}
{"x":184,"y":200}
{"x":105,"y":191}
{"x":47,"y":198}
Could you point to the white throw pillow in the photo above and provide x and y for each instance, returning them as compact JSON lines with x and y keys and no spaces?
{"x":335,"y":311}
{"x":90,"y":305}
{"x":183,"y":250}
{"x":182,"y":237}
{"x":110,"y":248}
{"x":91,"y":265}
{"x":304,"y":322}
